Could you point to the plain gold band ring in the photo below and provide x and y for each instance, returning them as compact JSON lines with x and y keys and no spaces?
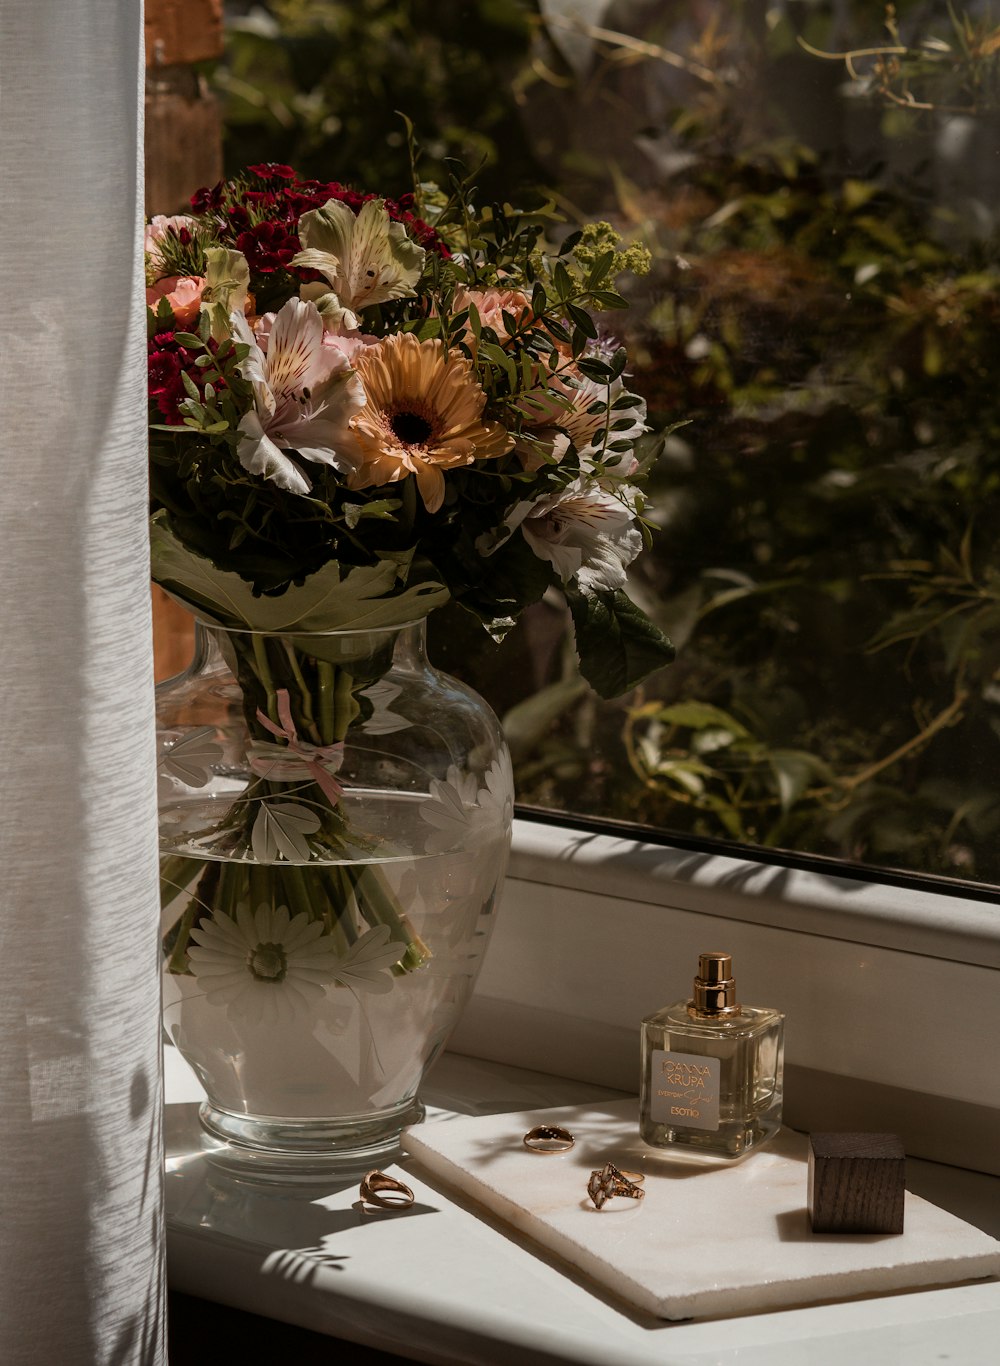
{"x":385,"y":1191}
{"x":548,"y":1138}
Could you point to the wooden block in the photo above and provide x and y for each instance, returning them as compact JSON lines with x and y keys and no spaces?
{"x":856,"y":1183}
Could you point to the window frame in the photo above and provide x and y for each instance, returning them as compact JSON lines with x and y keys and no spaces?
{"x":885,"y":986}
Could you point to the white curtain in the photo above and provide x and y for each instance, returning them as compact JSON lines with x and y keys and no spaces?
{"x":81,"y":1268}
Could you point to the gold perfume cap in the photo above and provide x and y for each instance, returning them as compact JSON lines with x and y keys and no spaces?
{"x":715,"y":986}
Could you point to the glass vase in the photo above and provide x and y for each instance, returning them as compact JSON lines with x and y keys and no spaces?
{"x":335,"y":819}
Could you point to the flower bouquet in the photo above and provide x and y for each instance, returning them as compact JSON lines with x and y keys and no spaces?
{"x":361,"y":408}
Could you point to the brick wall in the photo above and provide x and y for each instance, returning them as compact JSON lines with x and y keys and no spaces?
{"x":183,"y":152}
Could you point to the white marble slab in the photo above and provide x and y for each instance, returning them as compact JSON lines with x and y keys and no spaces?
{"x":708,"y":1238}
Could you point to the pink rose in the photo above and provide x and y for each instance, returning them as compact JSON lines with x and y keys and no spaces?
{"x":183,"y":295}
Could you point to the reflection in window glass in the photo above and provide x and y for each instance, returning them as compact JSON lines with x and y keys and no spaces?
{"x":818,"y":182}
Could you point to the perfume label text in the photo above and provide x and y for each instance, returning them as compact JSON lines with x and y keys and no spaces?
{"x":684,"y":1090}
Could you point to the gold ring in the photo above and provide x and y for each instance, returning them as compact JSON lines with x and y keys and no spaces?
{"x":634,"y":1177}
{"x":605,"y":1184}
{"x":548,"y":1138}
{"x":385,"y":1191}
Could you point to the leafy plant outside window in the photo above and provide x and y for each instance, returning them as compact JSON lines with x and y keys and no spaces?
{"x":822,"y":313}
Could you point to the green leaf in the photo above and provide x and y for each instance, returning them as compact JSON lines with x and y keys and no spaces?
{"x":617,"y":644}
{"x":367,"y":597}
{"x":694,"y":715}
{"x":599,"y":270}
{"x":582,"y":320}
{"x":556,"y":329}
{"x":563,"y":281}
{"x":608,"y":298}
{"x":687,"y":774}
{"x":500,"y":360}
{"x":596,"y":370}
{"x":569,"y":242}
{"x":525,"y":724}
{"x":381,"y":508}
{"x":794,"y":770}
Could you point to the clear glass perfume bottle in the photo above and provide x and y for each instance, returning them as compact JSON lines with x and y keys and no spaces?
{"x":711,"y":1068}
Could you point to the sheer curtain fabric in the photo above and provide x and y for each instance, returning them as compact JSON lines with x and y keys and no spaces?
{"x":81,"y":1270}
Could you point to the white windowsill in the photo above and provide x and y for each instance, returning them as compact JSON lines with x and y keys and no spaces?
{"x":886,"y":994}
{"x":963,"y":929}
{"x":460,"y":1289}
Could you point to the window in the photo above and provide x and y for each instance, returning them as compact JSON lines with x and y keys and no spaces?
{"x":820,"y":315}
{"x":818,"y":186}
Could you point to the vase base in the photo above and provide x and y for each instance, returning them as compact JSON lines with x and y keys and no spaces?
{"x":276,"y":1149}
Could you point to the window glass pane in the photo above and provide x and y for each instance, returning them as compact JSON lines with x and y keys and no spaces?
{"x":818,"y":183}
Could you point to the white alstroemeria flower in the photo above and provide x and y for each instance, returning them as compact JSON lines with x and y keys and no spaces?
{"x":590,"y":432}
{"x":561,"y":415}
{"x":366,"y":257}
{"x":264,"y":967}
{"x":584,"y":531}
{"x":227,"y":289}
{"x":465,"y":814}
{"x":304,"y":393}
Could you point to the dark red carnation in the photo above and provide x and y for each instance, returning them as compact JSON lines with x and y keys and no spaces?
{"x":268,"y":247}
{"x":238,"y":218}
{"x":208,"y":198}
{"x":262,"y":223}
{"x":272,"y":170}
{"x":167,"y":363}
{"x":163,"y":368}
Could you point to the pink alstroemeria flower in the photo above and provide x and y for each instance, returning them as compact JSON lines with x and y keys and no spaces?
{"x":304,"y":393}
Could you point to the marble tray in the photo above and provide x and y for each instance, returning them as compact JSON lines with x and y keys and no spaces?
{"x":708,"y":1238}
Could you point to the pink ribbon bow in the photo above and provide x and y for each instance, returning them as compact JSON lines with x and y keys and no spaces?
{"x":321,"y":761}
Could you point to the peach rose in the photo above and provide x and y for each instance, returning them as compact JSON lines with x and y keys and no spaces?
{"x":491,"y":305}
{"x":183,"y":295}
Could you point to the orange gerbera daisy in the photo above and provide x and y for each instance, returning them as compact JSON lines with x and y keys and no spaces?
{"x":423,"y":416}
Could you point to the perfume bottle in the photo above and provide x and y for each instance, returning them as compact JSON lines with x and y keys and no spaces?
{"x":711,"y":1068}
